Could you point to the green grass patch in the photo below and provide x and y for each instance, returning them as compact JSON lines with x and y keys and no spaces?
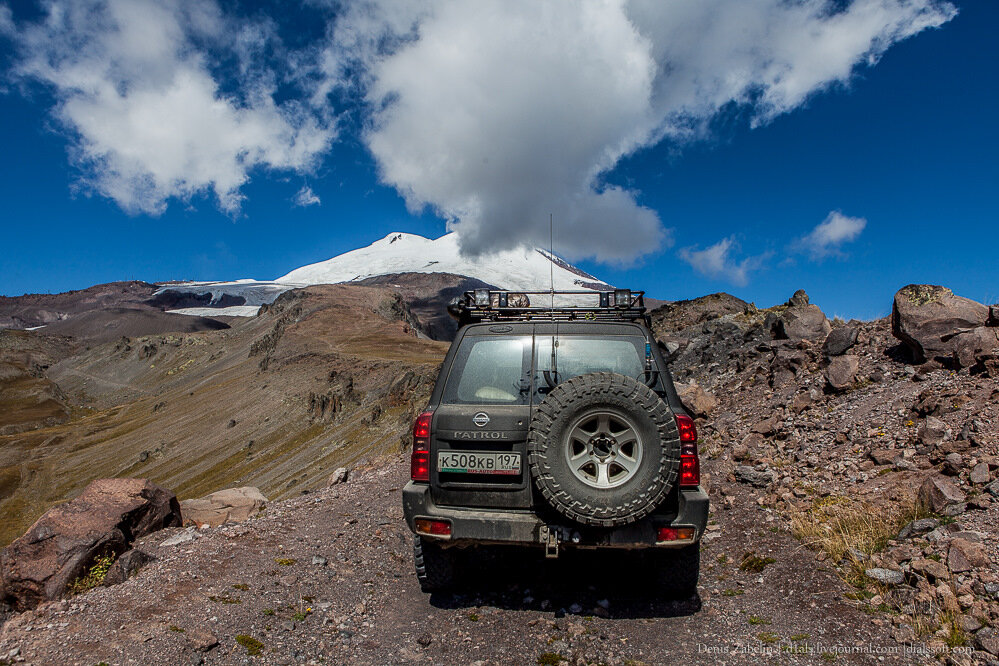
{"x":549,"y":659}
{"x":241,"y":586}
{"x":174,"y":627}
{"x":757,"y":620}
{"x":767,"y":637}
{"x":733,"y":593}
{"x":285,"y":561}
{"x":253,"y":647}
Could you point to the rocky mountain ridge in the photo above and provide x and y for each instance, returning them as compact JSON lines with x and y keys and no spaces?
{"x":852,"y":478}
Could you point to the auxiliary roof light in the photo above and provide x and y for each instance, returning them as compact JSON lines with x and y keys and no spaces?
{"x":482,"y":298}
{"x":622,"y":298}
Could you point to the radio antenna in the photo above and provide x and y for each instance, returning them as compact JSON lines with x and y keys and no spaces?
{"x":551,"y":278}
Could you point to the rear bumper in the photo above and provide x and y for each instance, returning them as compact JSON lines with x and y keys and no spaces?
{"x":522,"y":527}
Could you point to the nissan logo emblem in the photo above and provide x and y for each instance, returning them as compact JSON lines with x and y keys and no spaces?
{"x":480,"y":419}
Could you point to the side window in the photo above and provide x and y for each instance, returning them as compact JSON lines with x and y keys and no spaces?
{"x":575,"y":355}
{"x":489,"y":371}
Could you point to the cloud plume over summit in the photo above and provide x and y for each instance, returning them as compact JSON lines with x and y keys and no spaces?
{"x":497,"y":113}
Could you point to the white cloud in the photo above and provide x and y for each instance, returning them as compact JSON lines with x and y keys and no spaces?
{"x":6,"y":21}
{"x":717,"y":262}
{"x":306,"y":197}
{"x":148,"y":118}
{"x":499,"y":112}
{"x":829,"y":235}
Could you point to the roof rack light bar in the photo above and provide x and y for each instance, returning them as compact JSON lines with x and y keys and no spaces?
{"x":494,"y":305}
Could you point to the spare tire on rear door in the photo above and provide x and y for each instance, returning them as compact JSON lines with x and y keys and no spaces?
{"x":603,"y":449}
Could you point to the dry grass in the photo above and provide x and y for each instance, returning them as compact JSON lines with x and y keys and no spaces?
{"x":836,"y":525}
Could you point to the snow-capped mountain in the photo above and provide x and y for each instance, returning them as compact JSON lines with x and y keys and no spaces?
{"x":522,"y":269}
{"x":516,"y":270}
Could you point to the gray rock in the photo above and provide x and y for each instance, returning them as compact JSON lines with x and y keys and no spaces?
{"x":800,"y":321}
{"x":842,"y":371}
{"x":319,"y":560}
{"x":338,"y":476}
{"x":885,"y":576}
{"x":937,"y":493}
{"x":698,"y":402}
{"x":993,"y":488}
{"x":932,"y":431}
{"x":953,"y":464}
{"x":186,"y":536}
{"x":126,"y":566}
{"x":980,"y":474}
{"x":755,"y":477}
{"x":839,"y":341}
{"x":987,"y":640}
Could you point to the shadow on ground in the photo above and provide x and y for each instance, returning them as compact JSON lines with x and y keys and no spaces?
{"x":584,"y":583}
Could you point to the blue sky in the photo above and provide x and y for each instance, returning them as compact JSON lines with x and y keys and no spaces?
{"x":654,"y":183}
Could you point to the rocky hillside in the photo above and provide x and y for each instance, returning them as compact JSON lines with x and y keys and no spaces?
{"x":851,"y":466}
{"x":324,"y":377}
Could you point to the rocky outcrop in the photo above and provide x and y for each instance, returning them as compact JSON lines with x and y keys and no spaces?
{"x":934,"y":324}
{"x":799,"y":320}
{"x":104,"y":520}
{"x":232,"y":505}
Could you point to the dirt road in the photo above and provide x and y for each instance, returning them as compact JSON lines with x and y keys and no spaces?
{"x":328,"y":578}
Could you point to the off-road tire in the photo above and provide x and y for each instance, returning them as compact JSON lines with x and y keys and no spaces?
{"x":434,"y":565}
{"x":649,"y":416}
{"x":676,"y":570}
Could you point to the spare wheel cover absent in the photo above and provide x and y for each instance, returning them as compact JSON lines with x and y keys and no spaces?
{"x":603,"y":449}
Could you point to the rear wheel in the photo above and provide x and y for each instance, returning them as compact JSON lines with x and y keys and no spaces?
{"x":434,"y":565}
{"x":676,"y":570}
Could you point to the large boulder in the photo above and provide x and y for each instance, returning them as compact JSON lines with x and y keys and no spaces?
{"x":937,"y":325}
{"x":64,"y":543}
{"x":800,"y":320}
{"x":232,"y":505}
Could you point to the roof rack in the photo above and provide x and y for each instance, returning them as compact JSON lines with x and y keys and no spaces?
{"x":489,"y":305}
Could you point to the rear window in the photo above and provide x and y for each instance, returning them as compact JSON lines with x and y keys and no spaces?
{"x":490,"y":371}
{"x":578,"y":355}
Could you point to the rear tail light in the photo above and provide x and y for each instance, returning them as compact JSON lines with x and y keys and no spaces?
{"x":420,"y":461}
{"x":441,"y":528}
{"x":690,"y":466}
{"x":664,"y":534}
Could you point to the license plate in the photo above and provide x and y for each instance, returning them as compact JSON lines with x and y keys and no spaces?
{"x":478,"y":462}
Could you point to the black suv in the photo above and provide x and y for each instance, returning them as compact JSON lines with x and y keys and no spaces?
{"x":555,"y":427}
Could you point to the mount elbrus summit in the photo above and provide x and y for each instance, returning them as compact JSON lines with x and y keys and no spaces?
{"x":210,"y":472}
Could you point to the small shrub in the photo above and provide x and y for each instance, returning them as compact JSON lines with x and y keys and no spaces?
{"x":252,"y":645}
{"x":799,"y":637}
{"x":241,"y":586}
{"x":174,"y":627}
{"x":754,"y":563}
{"x":549,"y":659}
{"x":94,"y":576}
{"x":225,"y":599}
{"x":473,"y":617}
{"x":757,"y":620}
{"x":269,"y":611}
{"x":767,"y":637}
{"x":733,"y":593}
{"x":284,"y":561}
{"x":299,"y":616}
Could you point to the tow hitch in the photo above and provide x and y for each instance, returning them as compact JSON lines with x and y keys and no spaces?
{"x":551,"y":537}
